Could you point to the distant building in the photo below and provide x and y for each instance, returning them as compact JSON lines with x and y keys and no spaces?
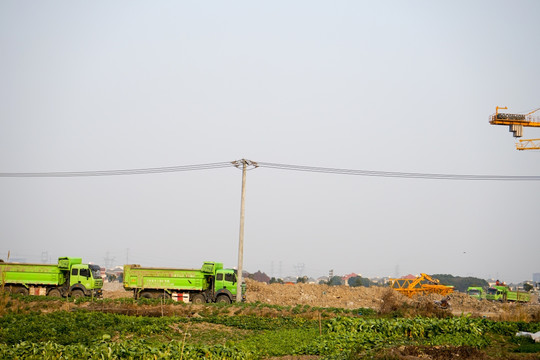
{"x":536,"y":277}
{"x":347,"y":277}
{"x":409,"y":277}
{"x":290,"y":279}
{"x":381,"y":281}
{"x":323,"y":279}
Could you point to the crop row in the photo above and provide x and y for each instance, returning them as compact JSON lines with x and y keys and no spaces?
{"x":132,"y":350}
{"x":355,"y":335}
{"x":427,"y":327}
{"x":84,"y":334}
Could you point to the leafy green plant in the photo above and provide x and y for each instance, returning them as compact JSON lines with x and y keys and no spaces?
{"x":525,"y":344}
{"x":213,"y":332}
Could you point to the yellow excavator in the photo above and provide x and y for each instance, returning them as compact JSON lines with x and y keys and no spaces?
{"x":421,"y":285}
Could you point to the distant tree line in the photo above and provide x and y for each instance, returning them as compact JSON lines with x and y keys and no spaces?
{"x":460,"y":283}
{"x":354,"y":281}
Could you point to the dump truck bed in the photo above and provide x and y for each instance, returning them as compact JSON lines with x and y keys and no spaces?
{"x":136,"y":277}
{"x":36,"y":274}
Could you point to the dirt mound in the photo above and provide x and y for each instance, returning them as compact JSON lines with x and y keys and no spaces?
{"x":115,"y":290}
{"x":376,"y":298}
{"x":379,"y":298}
{"x":315,"y":295}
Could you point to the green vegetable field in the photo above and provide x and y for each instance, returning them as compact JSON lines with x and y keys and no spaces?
{"x":37,"y":328}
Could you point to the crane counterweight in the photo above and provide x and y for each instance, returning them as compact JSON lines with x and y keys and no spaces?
{"x":515,"y":123}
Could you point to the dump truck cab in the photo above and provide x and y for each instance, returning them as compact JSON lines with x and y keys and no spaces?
{"x":476,"y":292}
{"x":496,"y":293}
{"x":84,"y":279}
{"x":225,"y":289}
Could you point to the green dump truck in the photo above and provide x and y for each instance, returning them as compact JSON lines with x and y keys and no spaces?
{"x":211,"y":283}
{"x":476,"y":292}
{"x":70,"y":277}
{"x":503,"y":293}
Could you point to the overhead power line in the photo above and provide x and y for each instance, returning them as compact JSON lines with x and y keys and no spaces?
{"x":122,"y":172}
{"x":286,"y":167}
{"x":395,"y":174}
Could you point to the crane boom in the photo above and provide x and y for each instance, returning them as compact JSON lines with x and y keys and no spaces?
{"x":532,"y":112}
{"x":423,"y":284}
{"x":515,"y":119}
{"x":528,"y":144}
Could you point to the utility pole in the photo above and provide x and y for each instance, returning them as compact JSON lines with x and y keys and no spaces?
{"x":244,"y":164}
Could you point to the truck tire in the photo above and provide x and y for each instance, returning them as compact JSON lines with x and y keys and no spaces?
{"x":146,"y":295}
{"x":77,"y":293}
{"x":54,"y":293}
{"x":198,"y":299}
{"x":21,"y":290}
{"x":223,"y":299}
{"x":164,"y":296}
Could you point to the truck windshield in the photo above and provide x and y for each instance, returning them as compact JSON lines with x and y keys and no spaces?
{"x":492,"y":291}
{"x":96,"y":271}
{"x":474,"y":292}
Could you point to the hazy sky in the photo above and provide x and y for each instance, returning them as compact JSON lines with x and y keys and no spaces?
{"x":374,"y":85}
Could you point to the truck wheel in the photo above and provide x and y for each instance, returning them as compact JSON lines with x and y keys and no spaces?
{"x":77,"y":293}
{"x":224,"y":299}
{"x":54,"y":293}
{"x":164,"y":296}
{"x":198,"y":299}
{"x":146,"y":295}
{"x":19,"y":290}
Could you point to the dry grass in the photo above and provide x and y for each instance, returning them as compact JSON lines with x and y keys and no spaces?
{"x":393,"y":304}
{"x":390,"y":302}
{"x":519,"y":312}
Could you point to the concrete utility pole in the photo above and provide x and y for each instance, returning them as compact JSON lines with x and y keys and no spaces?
{"x":244,"y":164}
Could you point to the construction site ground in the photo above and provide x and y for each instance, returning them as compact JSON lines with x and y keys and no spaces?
{"x":376,"y":298}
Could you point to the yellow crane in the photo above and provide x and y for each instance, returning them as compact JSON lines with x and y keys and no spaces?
{"x":421,"y":285}
{"x":515,"y":123}
{"x":528,"y":144}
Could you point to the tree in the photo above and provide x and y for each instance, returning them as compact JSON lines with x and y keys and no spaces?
{"x":335,"y":280}
{"x":276,"y":281}
{"x":359,"y":281}
{"x":302,"y":280}
{"x":460,"y":283}
{"x":527,"y":287}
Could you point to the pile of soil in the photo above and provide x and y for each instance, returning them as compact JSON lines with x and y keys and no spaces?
{"x":315,"y":295}
{"x":115,"y":290}
{"x":373,"y":297}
